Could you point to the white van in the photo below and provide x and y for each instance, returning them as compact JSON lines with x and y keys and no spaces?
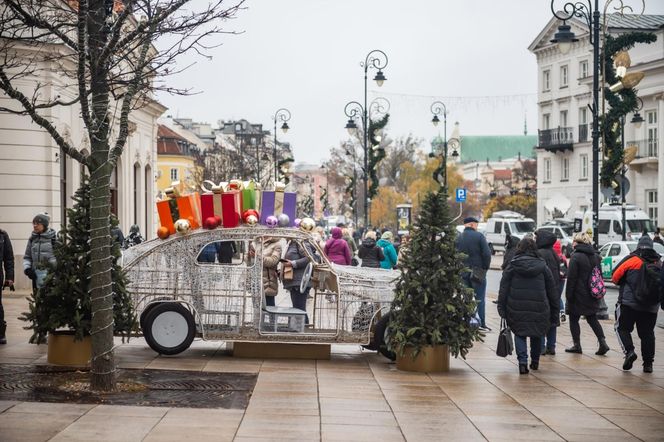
{"x":504,"y":222}
{"x":610,"y":223}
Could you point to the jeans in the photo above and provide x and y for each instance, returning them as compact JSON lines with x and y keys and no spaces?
{"x":299,"y":300}
{"x":549,"y":340}
{"x":522,"y":348}
{"x":480,"y":297}
{"x":575,"y":329}
{"x":561,"y":290}
{"x":626,"y":318}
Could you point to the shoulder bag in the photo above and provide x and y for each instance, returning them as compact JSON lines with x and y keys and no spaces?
{"x":505,"y":345}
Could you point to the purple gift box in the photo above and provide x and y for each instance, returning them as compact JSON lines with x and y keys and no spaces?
{"x":276,"y":203}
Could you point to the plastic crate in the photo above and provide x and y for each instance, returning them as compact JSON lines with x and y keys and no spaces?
{"x":282,"y":320}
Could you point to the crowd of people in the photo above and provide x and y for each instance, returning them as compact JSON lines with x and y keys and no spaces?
{"x":535,"y":276}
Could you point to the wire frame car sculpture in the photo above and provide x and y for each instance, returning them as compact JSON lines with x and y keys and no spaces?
{"x":178,"y":295}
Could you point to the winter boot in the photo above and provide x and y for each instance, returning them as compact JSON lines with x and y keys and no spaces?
{"x":647,"y":367}
{"x":523,"y":369}
{"x":629,"y":360}
{"x":534,"y":365}
{"x":576,"y":348}
{"x":3,"y":330}
{"x":603,"y":347}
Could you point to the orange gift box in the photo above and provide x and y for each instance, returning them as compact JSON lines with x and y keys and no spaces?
{"x":168,"y":214}
{"x":189,"y":207}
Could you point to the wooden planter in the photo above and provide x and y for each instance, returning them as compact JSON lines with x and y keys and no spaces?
{"x":64,"y":350}
{"x":430,"y":359}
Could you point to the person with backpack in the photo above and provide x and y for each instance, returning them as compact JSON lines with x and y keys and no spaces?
{"x":584,"y":293}
{"x":545,"y":240}
{"x":40,"y":251}
{"x":638,"y":276}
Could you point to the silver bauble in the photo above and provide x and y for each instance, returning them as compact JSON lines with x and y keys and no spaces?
{"x":182,"y":226}
{"x":284,"y":220}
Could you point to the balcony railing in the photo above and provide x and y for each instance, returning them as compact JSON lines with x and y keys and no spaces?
{"x":645,"y":148}
{"x":583,"y":132}
{"x":555,"y":140}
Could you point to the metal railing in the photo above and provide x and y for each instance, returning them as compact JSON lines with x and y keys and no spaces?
{"x":555,"y":137}
{"x":648,"y":148}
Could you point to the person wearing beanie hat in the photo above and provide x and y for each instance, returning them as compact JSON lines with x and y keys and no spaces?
{"x":637,"y":302}
{"x":389,"y":260}
{"x":39,"y":251}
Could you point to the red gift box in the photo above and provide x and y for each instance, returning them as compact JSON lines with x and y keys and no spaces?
{"x":231,"y":205}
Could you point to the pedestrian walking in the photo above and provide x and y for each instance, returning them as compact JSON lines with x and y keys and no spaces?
{"x":6,"y":277}
{"x":389,"y":260}
{"x":40,"y":251}
{"x":134,"y":238}
{"x":562,"y":276}
{"x":510,"y":248}
{"x":348,"y":237}
{"x":657,"y":237}
{"x":545,"y":240}
{"x":370,"y":253}
{"x":528,"y":301}
{"x":225,"y":251}
{"x":580,"y":301}
{"x":639,"y":299}
{"x":336,"y":248}
{"x":478,"y":259}
{"x":299,"y":259}
{"x":271,"y":252}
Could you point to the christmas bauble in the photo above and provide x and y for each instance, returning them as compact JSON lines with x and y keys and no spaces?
{"x":284,"y":220}
{"x":307,"y":224}
{"x":163,"y":233}
{"x":249,"y":212}
{"x":210,"y":223}
{"x":218,"y":219}
{"x":271,"y":221}
{"x":251,"y":220}
{"x":297,"y":222}
{"x":182,"y":226}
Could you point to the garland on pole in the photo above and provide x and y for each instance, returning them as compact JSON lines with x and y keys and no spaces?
{"x":621,"y":103}
{"x":375,"y":155}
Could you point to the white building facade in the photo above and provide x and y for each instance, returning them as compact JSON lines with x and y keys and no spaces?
{"x":564,"y":150}
{"x":34,"y":180}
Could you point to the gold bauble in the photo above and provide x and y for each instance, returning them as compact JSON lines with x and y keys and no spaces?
{"x":307,"y":224}
{"x":251,"y":220}
{"x":182,"y":226}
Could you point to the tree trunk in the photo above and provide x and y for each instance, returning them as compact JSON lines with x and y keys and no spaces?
{"x":101,"y":296}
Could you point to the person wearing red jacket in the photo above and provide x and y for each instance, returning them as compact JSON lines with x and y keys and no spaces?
{"x":631,"y":311}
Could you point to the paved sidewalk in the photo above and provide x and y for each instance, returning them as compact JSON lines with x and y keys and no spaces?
{"x":361,"y":396}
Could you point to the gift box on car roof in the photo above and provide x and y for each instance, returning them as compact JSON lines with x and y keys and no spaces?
{"x":278,"y":201}
{"x":177,"y":206}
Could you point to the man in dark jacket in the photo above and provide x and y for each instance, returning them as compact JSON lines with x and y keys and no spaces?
{"x":528,"y":300}
{"x":580,"y":301}
{"x":632,"y":310}
{"x":478,"y":259}
{"x":6,"y":277}
{"x":40,"y":250}
{"x":545,"y":240}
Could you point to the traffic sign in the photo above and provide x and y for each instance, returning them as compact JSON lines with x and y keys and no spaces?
{"x":460,"y":195}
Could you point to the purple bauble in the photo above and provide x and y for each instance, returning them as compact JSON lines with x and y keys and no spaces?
{"x":271,"y":221}
{"x":297,"y":222}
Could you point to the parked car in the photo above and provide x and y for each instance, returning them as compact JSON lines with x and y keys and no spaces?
{"x":506,"y":222}
{"x":564,"y":233}
{"x":613,"y":252}
{"x":179,"y":296}
{"x":610,"y":223}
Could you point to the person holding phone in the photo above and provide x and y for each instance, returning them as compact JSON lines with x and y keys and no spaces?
{"x":299,"y":259}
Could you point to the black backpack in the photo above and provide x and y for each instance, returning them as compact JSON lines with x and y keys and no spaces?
{"x":648,"y":289}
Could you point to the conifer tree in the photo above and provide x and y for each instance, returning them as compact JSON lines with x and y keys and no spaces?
{"x":63,"y":302}
{"x":432,"y":305}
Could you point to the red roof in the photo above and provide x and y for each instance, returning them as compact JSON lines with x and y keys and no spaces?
{"x":167,"y":141}
{"x":503,"y":175}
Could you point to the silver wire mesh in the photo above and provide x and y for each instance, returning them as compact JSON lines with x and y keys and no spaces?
{"x":227,"y":299}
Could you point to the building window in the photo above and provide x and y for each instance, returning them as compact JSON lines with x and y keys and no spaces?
{"x":583,"y":173}
{"x":547,"y":170}
{"x":546,"y":120}
{"x":583,"y":124}
{"x":583,"y":69}
{"x":564,"y":169}
{"x":137,"y":171}
{"x":114,"y":191}
{"x":174,"y":174}
{"x":563,"y":118}
{"x":583,"y":115}
{"x":546,"y":80}
{"x":651,"y":205}
{"x":651,"y":120}
{"x":563,"y":76}
{"x":149,"y":179}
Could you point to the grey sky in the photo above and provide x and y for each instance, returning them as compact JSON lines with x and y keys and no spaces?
{"x":305,"y":55}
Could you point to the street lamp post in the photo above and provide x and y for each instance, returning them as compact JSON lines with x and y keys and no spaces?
{"x":438,"y":108}
{"x":565,"y":37}
{"x":637,"y":120}
{"x":354,"y":189}
{"x":376,"y":59}
{"x":327,"y":188}
{"x":284,"y":116}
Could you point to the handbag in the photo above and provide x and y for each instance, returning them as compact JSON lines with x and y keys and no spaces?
{"x":478,"y":275}
{"x":505,"y":345}
{"x":286,"y":273}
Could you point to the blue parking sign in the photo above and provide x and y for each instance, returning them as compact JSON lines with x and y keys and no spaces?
{"x":460,"y":195}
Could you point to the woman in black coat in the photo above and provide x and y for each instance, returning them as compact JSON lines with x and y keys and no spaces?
{"x":528,"y":301}
{"x":545,"y":240}
{"x":579,"y":300}
{"x":370,"y":253}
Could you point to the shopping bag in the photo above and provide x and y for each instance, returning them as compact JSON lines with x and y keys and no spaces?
{"x":505,"y":345}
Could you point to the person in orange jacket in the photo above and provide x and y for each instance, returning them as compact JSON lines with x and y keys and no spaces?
{"x":631,"y":310}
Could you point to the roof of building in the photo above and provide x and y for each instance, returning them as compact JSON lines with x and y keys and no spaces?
{"x":636,"y":22}
{"x":168,"y":141}
{"x":502,"y":174}
{"x":496,"y":147}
